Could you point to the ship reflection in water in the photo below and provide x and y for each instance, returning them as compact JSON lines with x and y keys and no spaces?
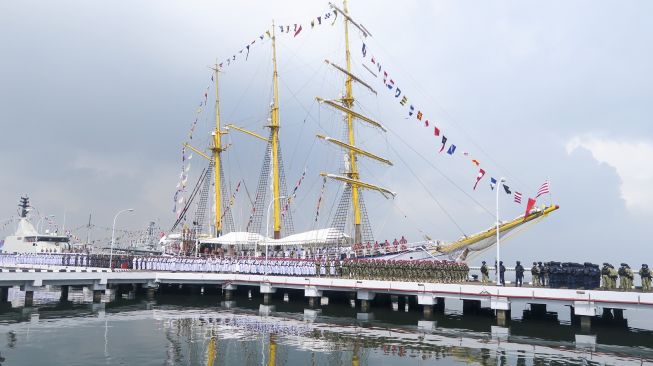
{"x":194,"y":330}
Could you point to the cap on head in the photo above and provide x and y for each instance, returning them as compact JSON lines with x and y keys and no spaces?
{"x":483,"y":262}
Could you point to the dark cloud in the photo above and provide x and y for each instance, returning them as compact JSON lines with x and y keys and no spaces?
{"x":96,"y":98}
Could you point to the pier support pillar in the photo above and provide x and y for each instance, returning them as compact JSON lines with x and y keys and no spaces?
{"x":4,"y":294}
{"x":314,"y":295}
{"x":583,"y":312}
{"x":151,"y":292}
{"x":228,"y":290}
{"x":585,"y":322}
{"x":502,"y":307}
{"x":429,"y":303}
{"x":428,"y":311}
{"x":365,"y":297}
{"x":502,"y":316}
{"x":267,"y":290}
{"x":29,"y":298}
{"x":97,"y":296}
{"x":365,"y":306}
{"x":64,"y":293}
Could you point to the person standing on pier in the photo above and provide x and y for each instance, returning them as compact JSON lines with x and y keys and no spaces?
{"x":613,"y":277}
{"x":622,"y":276}
{"x":605,"y":276}
{"x":535,"y":273}
{"x":519,"y":274}
{"x":485,"y":273}
{"x":502,"y":271}
{"x":645,"y":274}
{"x":541,"y":274}
{"x":630,"y":277}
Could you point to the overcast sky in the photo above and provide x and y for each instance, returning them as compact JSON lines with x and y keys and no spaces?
{"x":96,"y":98}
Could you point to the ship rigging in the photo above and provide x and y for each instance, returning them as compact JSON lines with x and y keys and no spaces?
{"x":350,"y":209}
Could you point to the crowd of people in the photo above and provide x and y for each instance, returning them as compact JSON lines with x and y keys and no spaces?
{"x":368,"y":249}
{"x":397,"y":270}
{"x":543,"y":274}
{"x":64,"y":259}
{"x":586,"y":276}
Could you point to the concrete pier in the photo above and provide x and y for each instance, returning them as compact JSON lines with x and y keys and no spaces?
{"x":585,"y":305}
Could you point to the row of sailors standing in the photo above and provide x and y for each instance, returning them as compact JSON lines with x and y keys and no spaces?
{"x":45,"y":259}
{"x":67,"y":260}
{"x":295,"y":253}
{"x":273,"y":266}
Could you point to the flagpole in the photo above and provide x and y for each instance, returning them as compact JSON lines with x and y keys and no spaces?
{"x":498,"y":265}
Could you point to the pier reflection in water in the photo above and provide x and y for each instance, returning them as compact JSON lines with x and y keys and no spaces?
{"x":198,"y":330}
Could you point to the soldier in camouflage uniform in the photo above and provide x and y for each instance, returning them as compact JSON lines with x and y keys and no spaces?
{"x":344,"y":271}
{"x":535,"y":274}
{"x":485,"y":278}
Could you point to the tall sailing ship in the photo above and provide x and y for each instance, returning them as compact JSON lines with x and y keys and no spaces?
{"x":350,"y":231}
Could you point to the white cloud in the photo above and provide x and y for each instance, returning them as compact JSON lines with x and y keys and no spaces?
{"x":631,"y":160}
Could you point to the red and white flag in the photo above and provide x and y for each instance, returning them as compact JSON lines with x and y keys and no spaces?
{"x":529,"y":207}
{"x":544,"y":189}
{"x":518,"y":197}
{"x":480,"y":175}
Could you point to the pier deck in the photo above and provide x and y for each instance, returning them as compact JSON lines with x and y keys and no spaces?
{"x":583,"y":302}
